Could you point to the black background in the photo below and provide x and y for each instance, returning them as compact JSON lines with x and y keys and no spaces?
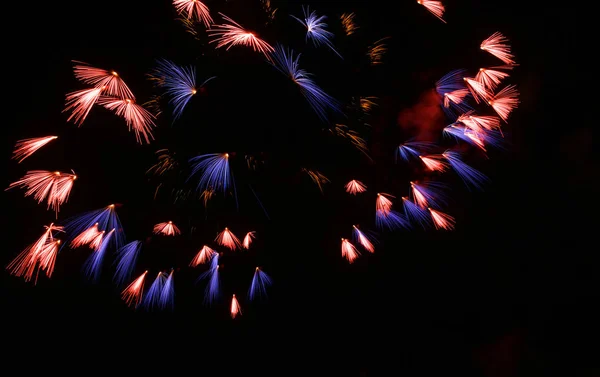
{"x":511,"y":292}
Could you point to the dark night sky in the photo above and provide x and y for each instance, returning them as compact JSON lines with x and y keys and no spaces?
{"x":511,"y":292}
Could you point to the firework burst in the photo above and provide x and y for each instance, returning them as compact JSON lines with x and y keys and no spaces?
{"x":235,"y":307}
{"x":228,"y":239}
{"x":316,"y":29}
{"x":434,"y":7}
{"x":109,"y":81}
{"x":93,"y":265}
{"x":136,"y":117}
{"x":505,"y":101}
{"x":354,"y":187}
{"x":194,"y":9}
{"x":204,"y":255}
{"x":26,"y":147}
{"x":54,"y":187}
{"x":215,"y":173}
{"x":232,"y":34}
{"x":349,"y":251}
{"x":442,"y":220}
{"x":258,"y":287}
{"x":348,"y":23}
{"x":362,"y":239}
{"x":166,"y":229}
{"x":132,"y":295}
{"x":248,"y":240}
{"x":497,"y":45}
{"x":126,"y":261}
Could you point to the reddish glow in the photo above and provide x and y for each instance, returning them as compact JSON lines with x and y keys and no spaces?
{"x":166,"y":229}
{"x":204,"y":255}
{"x":349,"y":251}
{"x":248,"y":240}
{"x":232,"y":34}
{"x":195,"y":9}
{"x":132,"y":295}
{"x":235,"y":307}
{"x":497,"y":45}
{"x":354,"y":187}
{"x":442,"y":220}
{"x":54,"y":187}
{"x":228,"y":239}
{"x":435,"y":163}
{"x":26,"y":147}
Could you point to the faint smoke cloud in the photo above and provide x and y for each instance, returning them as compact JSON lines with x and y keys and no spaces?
{"x":425,"y":119}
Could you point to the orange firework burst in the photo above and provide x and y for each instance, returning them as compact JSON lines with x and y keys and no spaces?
{"x":382,"y":203}
{"x":228,"y":239}
{"x":434,"y":7}
{"x":166,"y":229}
{"x":204,"y":255}
{"x":348,"y":23}
{"x":235,"y":307}
{"x":132,"y":295}
{"x":91,"y":237}
{"x":491,"y":77}
{"x":232,"y":34}
{"x":108,"y":81}
{"x":349,"y":251}
{"x":41,"y":255}
{"x":478,"y":90}
{"x":435,"y":163}
{"x":505,"y":101}
{"x":442,"y":220}
{"x":26,"y":147}
{"x":497,"y":45}
{"x":248,"y":239}
{"x":54,"y":187}
{"x":136,"y":117}
{"x":354,"y":187}
{"x":195,"y":9}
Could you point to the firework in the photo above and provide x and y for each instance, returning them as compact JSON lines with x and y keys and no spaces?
{"x":167,"y":293}
{"x":232,"y":34}
{"x":126,"y":261}
{"x":136,"y":117}
{"x":455,"y":102}
{"x":479,"y":138}
{"x":152,"y":298}
{"x":248,"y":239}
{"x":471,"y":177}
{"x":367,"y":104}
{"x":215,"y":171}
{"x":258,"y":287}
{"x":435,"y":163}
{"x":269,"y":10}
{"x":26,"y":147}
{"x":490,"y":78}
{"x":478,"y":90}
{"x":412,"y":149}
{"x":349,"y":251}
{"x":91,"y":237}
{"x":497,"y":45}
{"x":81,"y":102}
{"x":93,"y":265}
{"x":427,"y":194}
{"x":441,"y":220}
{"x":166,"y":229}
{"x":204,"y":255}
{"x":505,"y":101}
{"x":54,"y":187}
{"x":479,"y":123}
{"x":390,"y":220}
{"x":166,"y":162}
{"x":376,"y":51}
{"x":348,"y":23}
{"x":228,"y":239}
{"x":287,"y":63}
{"x":362,"y":239}
{"x":317,"y":177}
{"x":315,"y":29}
{"x":180,"y":84}
{"x":235,"y":307}
{"x":132,"y":295}
{"x":38,"y":256}
{"x":190,"y":27}
{"x":354,"y":187}
{"x":106,"y":218}
{"x":450,"y":82}
{"x":434,"y":7}
{"x":357,"y":141}
{"x":382,"y":203}
{"x":415,"y":213}
{"x":108,"y":81}
{"x":194,"y":9}
{"x":213,"y":286}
